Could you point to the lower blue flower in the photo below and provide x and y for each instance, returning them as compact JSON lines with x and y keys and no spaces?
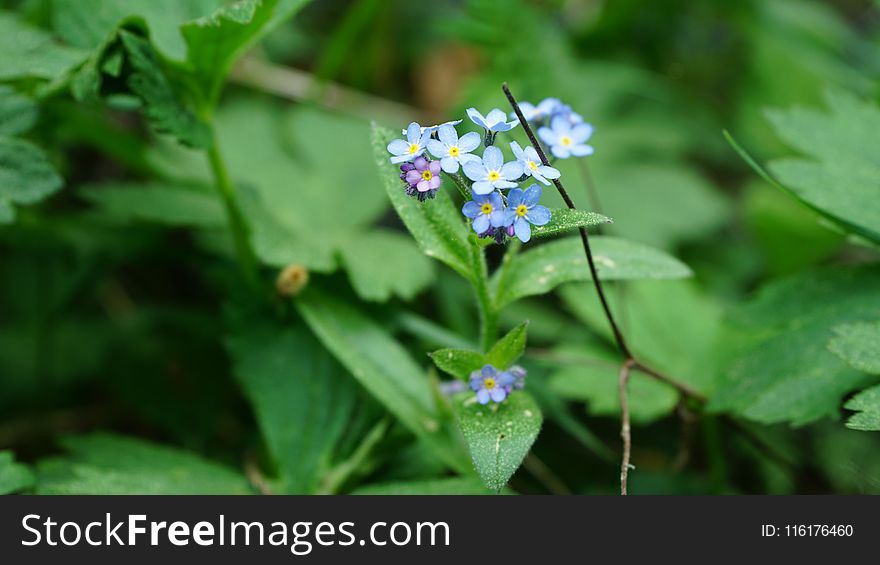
{"x":486,"y":211}
{"x":489,"y":384}
{"x":523,"y":211}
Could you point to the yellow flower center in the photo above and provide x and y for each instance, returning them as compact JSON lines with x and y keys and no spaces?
{"x":494,"y":175}
{"x":522,"y":210}
{"x":486,"y":208}
{"x":489,"y":383}
{"x":454,"y":151}
{"x":565,"y":140}
{"x":427,"y":175}
{"x":533,"y":166}
{"x":413,"y":148}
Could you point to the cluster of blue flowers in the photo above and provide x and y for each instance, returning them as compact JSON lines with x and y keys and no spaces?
{"x":490,"y":384}
{"x":492,"y":212}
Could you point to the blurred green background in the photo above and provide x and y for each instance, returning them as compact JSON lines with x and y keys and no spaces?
{"x":112,"y":311}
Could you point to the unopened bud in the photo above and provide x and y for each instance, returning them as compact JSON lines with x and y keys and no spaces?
{"x":292,"y":280}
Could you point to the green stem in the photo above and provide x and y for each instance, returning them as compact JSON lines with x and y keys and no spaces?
{"x":237,"y":223}
{"x":488,"y":313}
{"x":461,"y":185}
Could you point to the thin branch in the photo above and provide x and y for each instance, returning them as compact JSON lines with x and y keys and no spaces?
{"x":585,"y":238}
{"x":683,"y":388}
{"x":625,"y":432}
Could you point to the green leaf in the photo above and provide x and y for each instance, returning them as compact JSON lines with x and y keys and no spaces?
{"x":14,"y":477}
{"x":379,"y":363}
{"x":108,"y":464}
{"x":162,"y":106}
{"x":18,"y":113}
{"x":859,"y":345}
{"x":565,"y":219}
{"x":29,"y":52}
{"x":381,"y":263}
{"x":301,"y":397}
{"x":461,"y":363}
{"x":867,"y":404}
{"x":499,"y":436}
{"x":784,"y":372}
{"x":435,"y":224}
{"x":26,"y":175}
{"x":453,"y":486}
{"x":841,"y":177}
{"x":542,"y":268}
{"x":163,"y":203}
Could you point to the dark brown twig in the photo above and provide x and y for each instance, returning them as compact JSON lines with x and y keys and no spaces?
{"x":625,"y":432}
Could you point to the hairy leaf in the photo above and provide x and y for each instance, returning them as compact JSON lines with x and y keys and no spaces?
{"x":18,"y":113}
{"x":544,"y":267}
{"x":462,"y":362}
{"x":26,"y":175}
{"x":499,"y":436}
{"x":867,"y":406}
{"x":564,"y":219}
{"x":110,"y":464}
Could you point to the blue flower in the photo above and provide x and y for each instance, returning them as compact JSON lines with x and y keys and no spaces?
{"x":432,"y":129}
{"x":452,"y":150}
{"x":489,"y":384}
{"x":494,"y":121}
{"x":486,"y":211}
{"x":523,"y":211}
{"x":411,"y":148}
{"x":532,"y":165}
{"x":545,"y":108}
{"x":566,"y":139}
{"x":492,"y":172}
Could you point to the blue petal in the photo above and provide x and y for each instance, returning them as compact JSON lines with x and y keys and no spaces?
{"x":447,"y":134}
{"x":512,"y":170}
{"x":482,"y":187}
{"x":492,"y":158}
{"x":469,"y":141}
{"x":517,"y":150}
{"x":539,"y":215}
{"x":506,"y":379}
{"x":413,"y":133}
{"x":504,"y":184}
{"x":398,"y":147}
{"x":449,"y":164}
{"x":523,"y":230}
{"x":581,"y":150}
{"x":475,"y":170}
{"x":560,"y":152}
{"x":495,"y":117}
{"x":581,"y":132}
{"x":532,"y":195}
{"x":532,"y":154}
{"x":498,"y":218}
{"x":483,"y":396}
{"x":514,"y":198}
{"x":471,"y":209}
{"x":403,"y":158}
{"x":476,"y":383}
{"x":488,"y":371}
{"x":495,"y":201}
{"x":498,"y":394}
{"x":476,"y":117}
{"x":481,"y":223}
{"x":549,"y":172}
{"x":538,"y":176}
{"x":548,"y":136}
{"x":437,"y":148}
{"x":560,"y":125}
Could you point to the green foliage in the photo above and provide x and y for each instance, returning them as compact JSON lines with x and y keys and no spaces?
{"x":18,"y":113}
{"x":563,"y":220}
{"x":499,"y":435}
{"x":162,"y":203}
{"x":14,"y":477}
{"x":543,"y":268}
{"x":461,"y":363}
{"x":867,"y":406}
{"x":29,"y":52}
{"x":26,"y":175}
{"x":859,"y":345}
{"x":109,"y":464}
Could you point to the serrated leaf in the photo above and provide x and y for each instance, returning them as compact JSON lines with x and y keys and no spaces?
{"x":162,"y":105}
{"x":108,"y":464}
{"x":565,"y":219}
{"x":841,"y":177}
{"x":542,"y":268}
{"x":18,"y":113}
{"x":859,"y":345}
{"x":462,"y":362}
{"x":499,"y":436}
{"x":379,"y":363}
{"x":31,"y":52}
{"x":164,"y":203}
{"x":14,"y":477}
{"x":381,"y":263}
{"x":453,"y":486}
{"x":301,"y":397}
{"x":867,"y":406}
{"x":26,"y":175}
{"x":785,"y":373}
{"x":435,"y":224}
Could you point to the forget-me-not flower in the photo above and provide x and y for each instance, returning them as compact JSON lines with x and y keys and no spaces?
{"x":523,"y":211}
{"x":432,"y":129}
{"x":423,"y":178}
{"x":545,"y":108}
{"x":453,"y":150}
{"x":489,"y":384}
{"x":492,"y":172}
{"x":492,"y":123}
{"x":412,"y":147}
{"x":486,"y":211}
{"x":532,"y":165}
{"x":566,"y":139}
